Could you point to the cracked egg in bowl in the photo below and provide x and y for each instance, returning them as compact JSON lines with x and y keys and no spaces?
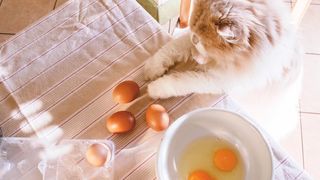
{"x":212,"y":144}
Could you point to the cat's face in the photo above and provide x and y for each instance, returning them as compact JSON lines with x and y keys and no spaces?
{"x":220,"y":28}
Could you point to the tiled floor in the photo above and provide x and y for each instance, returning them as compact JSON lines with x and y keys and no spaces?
{"x":310,"y":99}
{"x":17,"y":14}
{"x":302,"y":143}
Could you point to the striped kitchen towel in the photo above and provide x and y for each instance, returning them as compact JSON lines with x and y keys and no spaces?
{"x":57,"y":77}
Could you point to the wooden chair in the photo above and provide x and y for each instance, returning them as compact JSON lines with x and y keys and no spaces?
{"x":298,"y":11}
{"x":184,"y":13}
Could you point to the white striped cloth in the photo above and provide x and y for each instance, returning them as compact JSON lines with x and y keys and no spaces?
{"x":57,"y":77}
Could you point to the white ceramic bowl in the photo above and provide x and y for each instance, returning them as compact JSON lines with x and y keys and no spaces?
{"x":253,"y":147}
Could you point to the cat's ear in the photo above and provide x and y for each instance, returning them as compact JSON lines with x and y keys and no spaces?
{"x":229,"y":32}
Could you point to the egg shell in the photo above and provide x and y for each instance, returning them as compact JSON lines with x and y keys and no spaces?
{"x":97,"y":154}
{"x":157,"y":117}
{"x":120,"y":122}
{"x":126,"y":92}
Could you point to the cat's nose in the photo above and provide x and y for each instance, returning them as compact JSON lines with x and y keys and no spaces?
{"x":194,"y":39}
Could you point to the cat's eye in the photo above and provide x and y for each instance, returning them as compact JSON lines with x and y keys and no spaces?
{"x":194,"y":39}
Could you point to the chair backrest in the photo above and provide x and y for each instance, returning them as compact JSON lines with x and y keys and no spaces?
{"x":299,"y":10}
{"x":184,"y":13}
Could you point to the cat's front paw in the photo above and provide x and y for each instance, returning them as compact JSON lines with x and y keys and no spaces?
{"x":159,"y":89}
{"x":153,"y":70}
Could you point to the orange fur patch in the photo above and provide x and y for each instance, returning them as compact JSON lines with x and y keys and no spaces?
{"x":247,"y":20}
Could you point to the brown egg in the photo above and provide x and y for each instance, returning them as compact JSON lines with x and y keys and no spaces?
{"x":120,"y":122}
{"x":157,"y":117}
{"x":125,"y":92}
{"x":97,"y":154}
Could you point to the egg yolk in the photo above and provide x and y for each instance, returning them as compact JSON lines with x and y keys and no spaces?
{"x":199,"y":175}
{"x":225,"y":159}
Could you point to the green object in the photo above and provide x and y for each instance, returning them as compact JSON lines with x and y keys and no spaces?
{"x":163,"y":12}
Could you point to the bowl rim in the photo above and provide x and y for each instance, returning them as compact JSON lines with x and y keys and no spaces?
{"x":183,"y":118}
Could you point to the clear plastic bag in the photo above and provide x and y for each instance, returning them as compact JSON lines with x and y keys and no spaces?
{"x":18,"y":157}
{"x":24,"y":158}
{"x":73,"y":164}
